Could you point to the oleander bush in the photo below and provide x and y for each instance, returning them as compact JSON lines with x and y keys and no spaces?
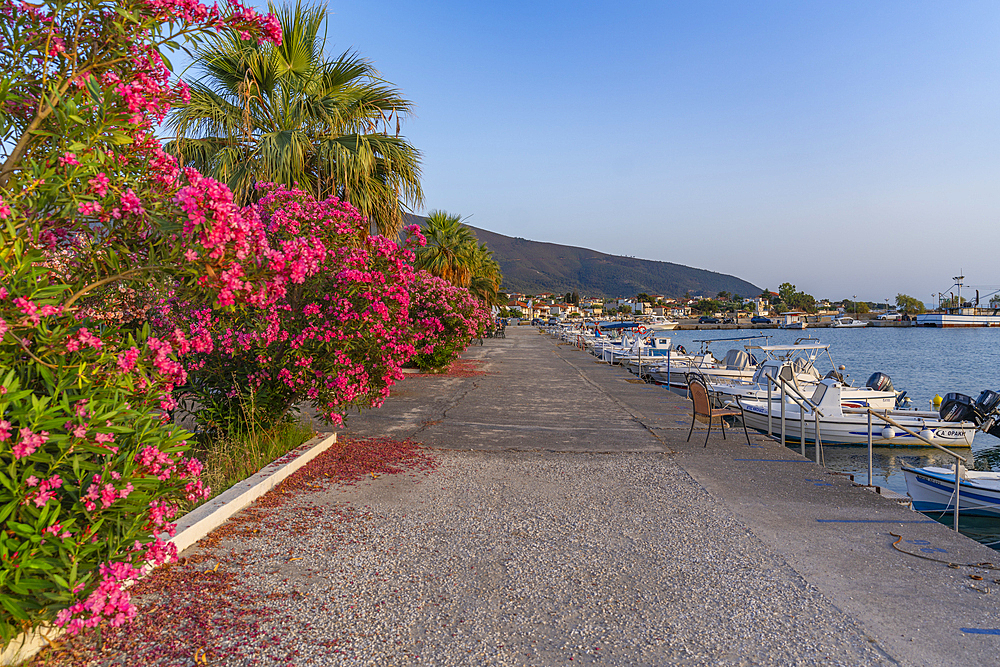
{"x":445,"y":319}
{"x":128,"y":280}
{"x":328,"y":323}
{"x":92,"y":212}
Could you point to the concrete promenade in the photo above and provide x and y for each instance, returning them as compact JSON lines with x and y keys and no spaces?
{"x":567,"y":521}
{"x":539,"y":396}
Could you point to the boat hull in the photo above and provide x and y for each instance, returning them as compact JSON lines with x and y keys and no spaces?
{"x":849,"y":397}
{"x":955,"y":320}
{"x":933,"y":490}
{"x":851,"y":430}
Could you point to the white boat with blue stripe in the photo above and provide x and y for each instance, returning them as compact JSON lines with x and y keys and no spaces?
{"x":932,"y":489}
{"x":840,"y":425}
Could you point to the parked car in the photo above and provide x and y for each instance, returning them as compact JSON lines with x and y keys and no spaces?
{"x":536,"y":322}
{"x":760,"y":319}
{"x":553,"y":321}
{"x":729,"y":320}
{"x":706,"y":319}
{"x":891,"y":316}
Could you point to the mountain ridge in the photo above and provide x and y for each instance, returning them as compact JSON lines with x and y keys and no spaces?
{"x":531,"y":267}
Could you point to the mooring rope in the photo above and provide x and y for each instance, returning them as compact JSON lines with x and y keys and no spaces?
{"x":899,"y":538}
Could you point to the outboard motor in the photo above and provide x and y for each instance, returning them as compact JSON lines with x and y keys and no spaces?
{"x":987,"y":405}
{"x":987,"y":402}
{"x":958,"y":407}
{"x":991,"y":426}
{"x":880,"y":382}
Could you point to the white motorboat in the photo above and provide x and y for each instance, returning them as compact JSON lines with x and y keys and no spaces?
{"x":736,"y":365}
{"x":845,"y":322}
{"x":797,"y":364}
{"x":793,"y":319}
{"x":643,"y":348}
{"x":932,"y":489}
{"x":800,"y":371}
{"x":660,"y":323}
{"x":849,"y":426}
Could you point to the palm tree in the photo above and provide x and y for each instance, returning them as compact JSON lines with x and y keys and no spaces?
{"x":450,"y":249}
{"x":454,"y":253}
{"x":286,"y":114}
{"x":486,"y":276}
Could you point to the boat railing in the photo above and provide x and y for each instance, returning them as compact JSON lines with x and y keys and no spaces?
{"x":959,"y":459}
{"x":788,"y":390}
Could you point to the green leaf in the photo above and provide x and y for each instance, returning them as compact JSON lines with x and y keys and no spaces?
{"x":8,"y":510}
{"x":12,"y":608}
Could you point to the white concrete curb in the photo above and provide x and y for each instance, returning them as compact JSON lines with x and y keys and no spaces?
{"x":195,"y":525}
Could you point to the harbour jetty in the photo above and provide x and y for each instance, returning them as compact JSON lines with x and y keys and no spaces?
{"x":572,"y":519}
{"x":566,"y":518}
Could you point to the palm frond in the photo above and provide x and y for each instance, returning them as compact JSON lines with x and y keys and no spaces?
{"x":290,"y":115}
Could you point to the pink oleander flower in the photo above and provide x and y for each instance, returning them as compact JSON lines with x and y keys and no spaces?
{"x":68,"y":159}
{"x":89,"y":208}
{"x":99,"y":184}
{"x":29,"y":442}
{"x":127,"y":359}
{"x":131,"y":203}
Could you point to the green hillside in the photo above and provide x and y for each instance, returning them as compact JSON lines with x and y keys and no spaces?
{"x":531,"y":267}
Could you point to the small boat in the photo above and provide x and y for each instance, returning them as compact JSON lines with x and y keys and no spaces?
{"x":660,"y":323}
{"x":932,"y":489}
{"x":951,"y":427}
{"x":638,"y":349}
{"x":736,"y":365}
{"x":845,"y":322}
{"x":793,"y":319}
{"x":796,"y":365}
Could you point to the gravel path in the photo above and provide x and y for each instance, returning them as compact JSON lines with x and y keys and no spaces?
{"x":530,"y":559}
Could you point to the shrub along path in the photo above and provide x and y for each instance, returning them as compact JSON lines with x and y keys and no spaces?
{"x":557,"y":514}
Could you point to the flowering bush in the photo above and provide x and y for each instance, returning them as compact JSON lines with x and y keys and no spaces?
{"x":90,"y":205}
{"x":289,"y":298}
{"x":326,"y":318}
{"x":445,"y":318}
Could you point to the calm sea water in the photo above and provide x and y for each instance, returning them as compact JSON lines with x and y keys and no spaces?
{"x":921,"y":361}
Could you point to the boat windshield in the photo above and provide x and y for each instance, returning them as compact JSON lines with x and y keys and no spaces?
{"x":802,"y":356}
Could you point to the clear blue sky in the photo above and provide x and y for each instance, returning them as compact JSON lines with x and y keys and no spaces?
{"x":846,"y":147}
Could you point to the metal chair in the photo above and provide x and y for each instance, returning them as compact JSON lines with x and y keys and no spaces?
{"x":702,"y":407}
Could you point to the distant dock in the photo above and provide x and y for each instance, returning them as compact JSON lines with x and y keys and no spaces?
{"x":695,"y":326}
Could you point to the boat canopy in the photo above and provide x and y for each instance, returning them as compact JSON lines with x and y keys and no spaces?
{"x":785,"y":348}
{"x":618,"y":325}
{"x":738,"y":360}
